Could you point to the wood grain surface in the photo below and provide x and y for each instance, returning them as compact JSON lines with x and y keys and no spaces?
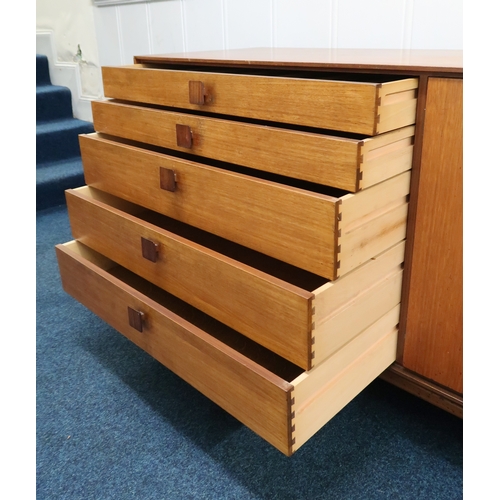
{"x":331,"y":104}
{"x":433,"y":337}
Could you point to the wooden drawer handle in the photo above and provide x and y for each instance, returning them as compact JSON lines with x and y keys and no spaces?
{"x":197,"y":93}
{"x":150,"y":249}
{"x":168,"y":179}
{"x":136,"y":319}
{"x":184,"y":136}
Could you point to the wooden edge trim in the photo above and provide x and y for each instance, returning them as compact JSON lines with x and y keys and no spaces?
{"x":337,"y":233}
{"x":291,"y":422}
{"x":378,"y":101}
{"x":311,"y":312}
{"x":418,"y":386}
{"x":412,"y":209}
{"x":223,"y":59}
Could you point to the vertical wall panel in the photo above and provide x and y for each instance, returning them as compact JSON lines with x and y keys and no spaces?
{"x":408,"y":24}
{"x":437,"y":24}
{"x":166,"y":27}
{"x":135,"y":30}
{"x":204,"y":25}
{"x":365,"y":24}
{"x":302,"y":24}
{"x":108,"y":37}
{"x":248,"y":24}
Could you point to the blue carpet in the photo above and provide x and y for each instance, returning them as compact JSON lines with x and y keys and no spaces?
{"x":112,"y":423}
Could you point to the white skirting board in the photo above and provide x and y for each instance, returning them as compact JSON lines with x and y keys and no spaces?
{"x":65,"y":74}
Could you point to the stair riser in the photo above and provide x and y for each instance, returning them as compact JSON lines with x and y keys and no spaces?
{"x":58,"y":146}
{"x":42,"y":70}
{"x":53,"y":105}
{"x":51,"y":194}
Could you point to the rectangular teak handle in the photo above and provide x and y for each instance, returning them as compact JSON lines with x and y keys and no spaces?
{"x":168,"y":179}
{"x":184,"y":136}
{"x":150,"y":249}
{"x":197,"y":92}
{"x":135,"y":319}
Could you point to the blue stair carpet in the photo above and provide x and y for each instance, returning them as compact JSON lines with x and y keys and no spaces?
{"x":58,"y":159}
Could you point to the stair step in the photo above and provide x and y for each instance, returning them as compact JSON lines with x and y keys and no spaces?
{"x":52,"y":103}
{"x":58,"y":139}
{"x":42,"y":70}
{"x":53,"y":178}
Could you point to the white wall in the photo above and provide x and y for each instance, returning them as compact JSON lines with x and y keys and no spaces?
{"x":111,"y":34}
{"x":62,"y":26}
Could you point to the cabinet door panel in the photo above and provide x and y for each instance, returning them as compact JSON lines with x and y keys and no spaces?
{"x":433,"y":339}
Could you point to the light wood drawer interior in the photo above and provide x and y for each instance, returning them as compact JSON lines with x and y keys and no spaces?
{"x":326,"y":234}
{"x":349,"y":163}
{"x":279,"y":401}
{"x":300,"y":316}
{"x":362,"y":107}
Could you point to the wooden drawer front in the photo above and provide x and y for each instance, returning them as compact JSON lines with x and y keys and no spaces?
{"x":280,"y":402}
{"x":252,"y":394}
{"x":362,"y":108}
{"x":347,"y":164}
{"x":271,"y":303}
{"x":273,"y":312}
{"x":290,"y":224}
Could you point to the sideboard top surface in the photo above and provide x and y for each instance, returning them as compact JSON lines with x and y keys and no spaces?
{"x":383,"y":60}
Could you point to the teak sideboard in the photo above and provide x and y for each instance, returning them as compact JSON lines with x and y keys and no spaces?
{"x":279,"y":227}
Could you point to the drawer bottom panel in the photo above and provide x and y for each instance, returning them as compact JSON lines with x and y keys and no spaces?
{"x":279,"y":401}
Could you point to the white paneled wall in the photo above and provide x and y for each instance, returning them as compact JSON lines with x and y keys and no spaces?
{"x":166,"y":26}
{"x":248,"y":24}
{"x":112,"y":32}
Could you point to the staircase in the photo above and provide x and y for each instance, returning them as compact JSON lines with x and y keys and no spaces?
{"x":58,"y":159}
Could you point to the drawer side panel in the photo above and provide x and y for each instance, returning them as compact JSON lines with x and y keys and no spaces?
{"x":372,"y":221}
{"x":345,"y":307}
{"x":341,"y":378}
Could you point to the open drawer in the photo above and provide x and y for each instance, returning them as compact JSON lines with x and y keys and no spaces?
{"x":278,"y":400}
{"x":362,"y":107}
{"x":298,"y":315}
{"x":323,"y":230}
{"x":342,"y":162}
